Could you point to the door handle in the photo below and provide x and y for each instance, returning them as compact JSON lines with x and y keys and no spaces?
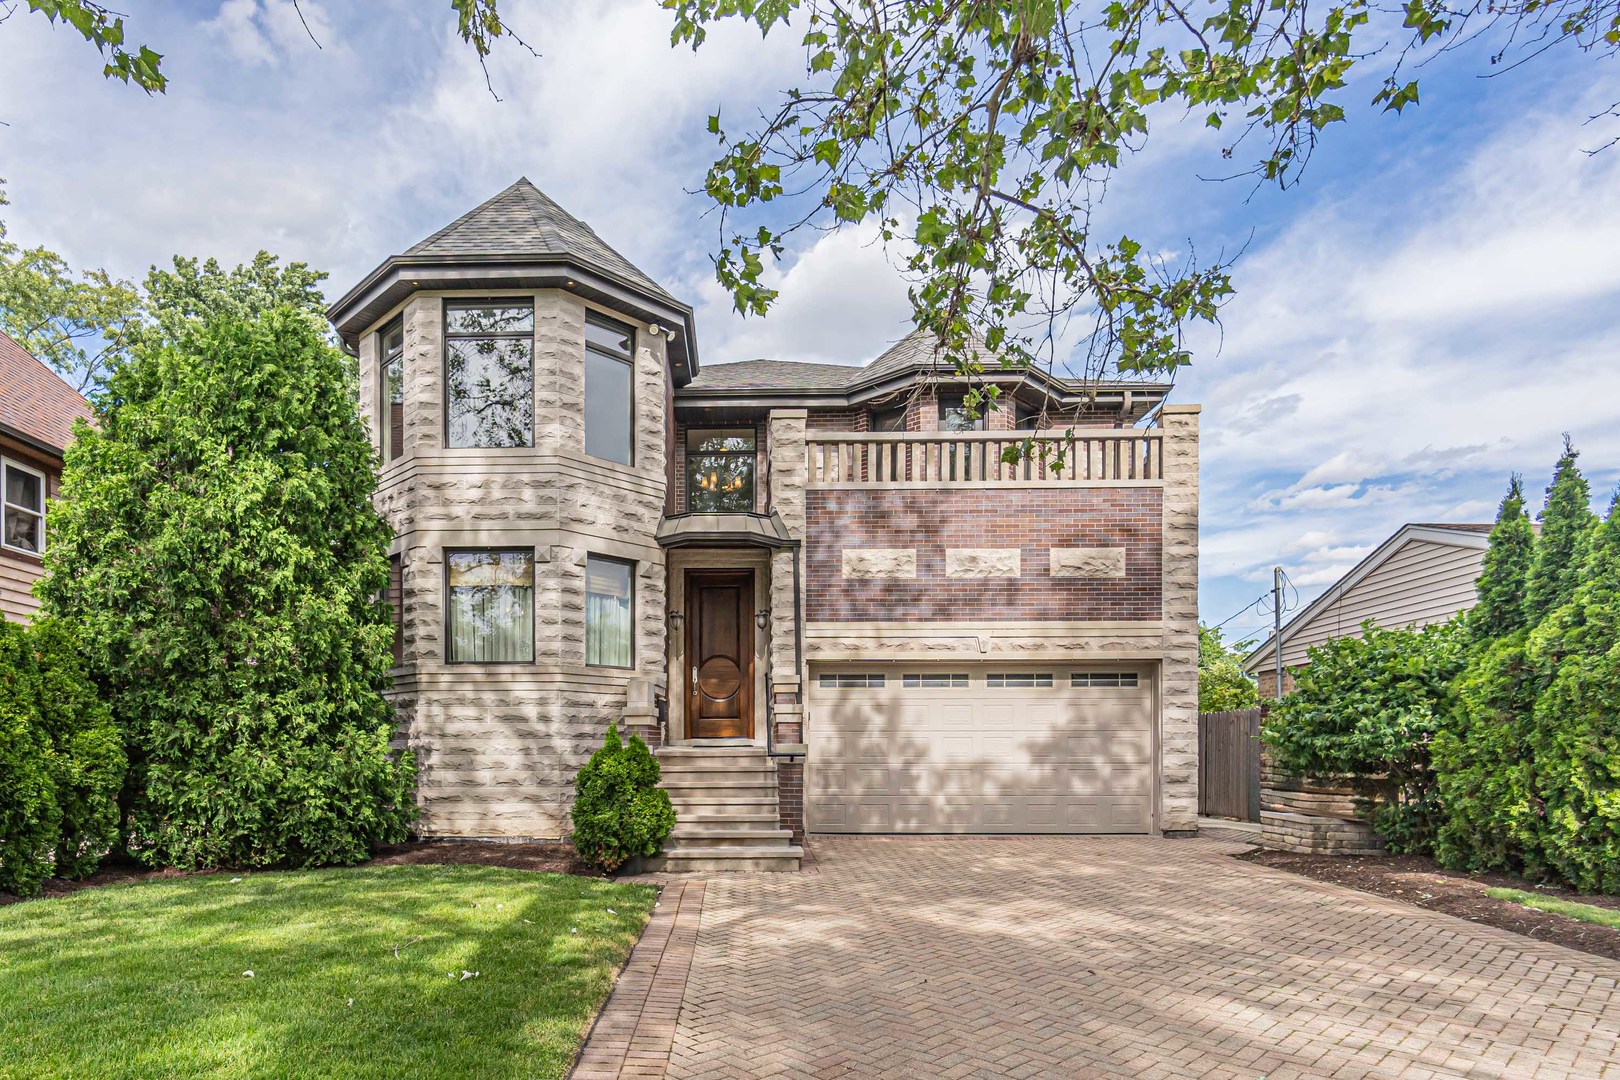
{"x":694,"y":679}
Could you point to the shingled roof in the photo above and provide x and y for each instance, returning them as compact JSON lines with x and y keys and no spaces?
{"x":524,"y":221}
{"x":36,"y":403}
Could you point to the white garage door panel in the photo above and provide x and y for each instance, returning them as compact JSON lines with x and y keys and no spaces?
{"x":980,"y":759}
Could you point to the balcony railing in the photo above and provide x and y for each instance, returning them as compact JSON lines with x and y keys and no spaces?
{"x":975,"y":458}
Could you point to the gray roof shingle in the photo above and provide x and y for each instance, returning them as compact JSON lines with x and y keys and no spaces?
{"x":774,"y":375}
{"x":525,"y":221}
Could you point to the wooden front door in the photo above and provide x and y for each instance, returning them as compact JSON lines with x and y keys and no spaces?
{"x":719,"y":654}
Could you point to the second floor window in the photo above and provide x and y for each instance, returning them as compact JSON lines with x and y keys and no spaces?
{"x":489,"y":374}
{"x":491,"y":602}
{"x":391,"y":392}
{"x":23,"y":509}
{"x":609,"y":362}
{"x":954,"y":415}
{"x":720,"y":470}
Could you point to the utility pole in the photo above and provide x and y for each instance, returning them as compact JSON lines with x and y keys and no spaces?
{"x":1276,"y":624}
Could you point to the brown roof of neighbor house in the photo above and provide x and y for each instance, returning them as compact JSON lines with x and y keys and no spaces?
{"x":524,"y":221}
{"x":34,"y":401}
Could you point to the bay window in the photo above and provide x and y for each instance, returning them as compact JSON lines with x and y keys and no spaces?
{"x":489,"y":374}
{"x":491,"y":606}
{"x":609,"y":363}
{"x":391,"y":393}
{"x":609,"y":612}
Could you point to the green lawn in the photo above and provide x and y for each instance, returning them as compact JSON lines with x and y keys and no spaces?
{"x":1585,"y":912}
{"x":147,"y":980}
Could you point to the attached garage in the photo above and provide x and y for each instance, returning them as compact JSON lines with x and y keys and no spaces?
{"x":969,"y":748}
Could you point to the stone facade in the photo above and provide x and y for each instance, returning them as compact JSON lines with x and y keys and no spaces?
{"x":983,"y":562}
{"x":1178,"y":672}
{"x":498,"y":744}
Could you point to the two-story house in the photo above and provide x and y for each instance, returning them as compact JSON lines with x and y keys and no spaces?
{"x":37,"y":411}
{"x":818,"y":590}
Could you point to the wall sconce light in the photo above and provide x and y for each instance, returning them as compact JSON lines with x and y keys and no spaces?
{"x":677,"y":619}
{"x":762,"y":619}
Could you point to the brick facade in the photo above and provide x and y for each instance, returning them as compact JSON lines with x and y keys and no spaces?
{"x":1032,"y":520}
{"x":790,"y":797}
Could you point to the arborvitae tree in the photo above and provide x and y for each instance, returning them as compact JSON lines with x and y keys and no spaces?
{"x":1566,"y":527}
{"x":1575,"y":737}
{"x":216,"y":548}
{"x":1505,"y":576}
{"x":1480,"y":753}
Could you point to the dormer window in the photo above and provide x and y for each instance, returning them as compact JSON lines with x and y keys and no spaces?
{"x":609,"y":362}
{"x":391,"y":393}
{"x":489,"y":374}
{"x":720,"y":470}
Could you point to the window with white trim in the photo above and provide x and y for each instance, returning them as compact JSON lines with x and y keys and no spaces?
{"x":1103,"y":680}
{"x":1017,"y":680}
{"x":22,"y":508}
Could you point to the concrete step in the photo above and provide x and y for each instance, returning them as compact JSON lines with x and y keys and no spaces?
{"x":742,"y":807}
{"x":687,"y":839}
{"x":710,"y":821}
{"x":718,"y":785}
{"x":677,"y":860}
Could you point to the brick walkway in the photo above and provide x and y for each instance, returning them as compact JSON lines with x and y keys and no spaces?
{"x":1097,"y":957}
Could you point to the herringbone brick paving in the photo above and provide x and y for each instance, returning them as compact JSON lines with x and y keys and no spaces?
{"x":1115,"y":957}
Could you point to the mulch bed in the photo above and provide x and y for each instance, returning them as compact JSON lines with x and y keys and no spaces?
{"x":1421,"y":881}
{"x":550,"y":858}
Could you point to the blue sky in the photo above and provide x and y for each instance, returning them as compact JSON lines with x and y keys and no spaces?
{"x":1426,"y":312}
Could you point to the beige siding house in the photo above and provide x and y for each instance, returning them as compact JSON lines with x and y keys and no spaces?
{"x":817,"y":590}
{"x":1423,"y":574}
{"x":37,"y":411}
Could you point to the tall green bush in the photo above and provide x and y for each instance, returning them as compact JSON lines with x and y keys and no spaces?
{"x":1575,"y":731}
{"x":216,"y":548}
{"x":1369,"y":707}
{"x":619,"y":809}
{"x":61,"y":760}
{"x":1222,"y":684}
{"x":1566,"y":528}
{"x":1480,"y":756}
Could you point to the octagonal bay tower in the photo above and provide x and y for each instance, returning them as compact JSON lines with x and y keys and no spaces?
{"x":514,"y":373}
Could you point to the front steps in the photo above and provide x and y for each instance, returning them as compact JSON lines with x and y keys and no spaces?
{"x":725,"y":812}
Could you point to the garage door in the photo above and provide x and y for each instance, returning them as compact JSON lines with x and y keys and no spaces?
{"x":980,"y":749}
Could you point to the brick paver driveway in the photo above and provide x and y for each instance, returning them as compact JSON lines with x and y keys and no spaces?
{"x":1104,"y":956}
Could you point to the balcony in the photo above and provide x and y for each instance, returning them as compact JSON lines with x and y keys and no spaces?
{"x":1129,"y":457}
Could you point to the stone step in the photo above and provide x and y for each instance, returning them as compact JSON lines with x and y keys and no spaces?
{"x":675,"y":860}
{"x":711,"y":821}
{"x":698,"y":806}
{"x":718,"y":785}
{"x":687,"y":839}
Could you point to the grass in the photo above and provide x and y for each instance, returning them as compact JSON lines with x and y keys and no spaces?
{"x":1591,"y":913}
{"x":147,"y":980}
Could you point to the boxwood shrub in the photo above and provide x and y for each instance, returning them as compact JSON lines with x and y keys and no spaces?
{"x":619,"y":809}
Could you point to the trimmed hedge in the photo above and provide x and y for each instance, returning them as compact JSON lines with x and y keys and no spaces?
{"x":619,"y":809}
{"x":62,"y":760}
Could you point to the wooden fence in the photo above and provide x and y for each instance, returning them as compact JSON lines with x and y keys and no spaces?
{"x":1229,"y":764}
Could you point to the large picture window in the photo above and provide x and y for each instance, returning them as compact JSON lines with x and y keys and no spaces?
{"x":609,"y":612}
{"x":391,"y":392}
{"x":22,"y":508}
{"x":491,"y":603}
{"x":609,"y":363}
{"x":720,"y":470}
{"x":489,"y":374}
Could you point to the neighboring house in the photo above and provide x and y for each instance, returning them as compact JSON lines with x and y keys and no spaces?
{"x":815,"y":588}
{"x":1423,"y":574}
{"x":37,"y":410}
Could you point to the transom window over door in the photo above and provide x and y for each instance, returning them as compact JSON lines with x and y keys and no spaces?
{"x":720,"y":470}
{"x":609,"y":612}
{"x":489,"y":374}
{"x":22,"y":508}
{"x":391,"y":392}
{"x":609,"y":363}
{"x":491,"y":596}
